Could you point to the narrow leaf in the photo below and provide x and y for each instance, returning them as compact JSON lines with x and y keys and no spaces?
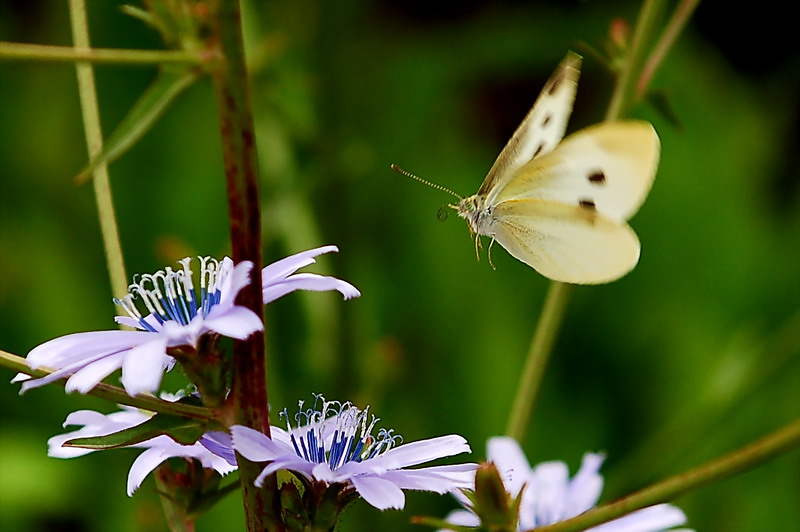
{"x":150,"y":106}
{"x":137,"y":12}
{"x":204,"y":503}
{"x":660,"y":101}
{"x":181,"y":430}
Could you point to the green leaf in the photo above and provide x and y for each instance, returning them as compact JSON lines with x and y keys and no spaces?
{"x":659,"y":99}
{"x":147,"y":109}
{"x":137,"y":12}
{"x":206,"y":502}
{"x":180,"y":429}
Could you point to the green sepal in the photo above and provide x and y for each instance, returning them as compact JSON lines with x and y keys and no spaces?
{"x":495,"y":507}
{"x":147,"y":109}
{"x":181,"y":430}
{"x":293,"y":511}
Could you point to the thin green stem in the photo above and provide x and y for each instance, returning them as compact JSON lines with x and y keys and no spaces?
{"x":94,"y":142}
{"x":747,"y":457}
{"x":12,"y":51}
{"x":676,"y":24}
{"x":621,"y":97}
{"x":114,"y":394}
{"x":232,"y":92}
{"x":557,"y":295}
{"x":550,"y":320}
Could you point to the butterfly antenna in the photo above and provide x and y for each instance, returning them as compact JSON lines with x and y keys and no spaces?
{"x":425,"y":181}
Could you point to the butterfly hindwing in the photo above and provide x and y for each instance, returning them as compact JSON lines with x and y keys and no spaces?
{"x":543,"y":126}
{"x":610,"y":166}
{"x":571,"y":244}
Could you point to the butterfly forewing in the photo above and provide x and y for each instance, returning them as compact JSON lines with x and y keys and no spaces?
{"x":571,"y":244}
{"x":543,"y":126}
{"x":609,"y":167}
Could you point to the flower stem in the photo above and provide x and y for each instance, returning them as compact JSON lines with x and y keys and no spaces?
{"x":748,"y":457}
{"x":542,"y":344}
{"x":116,"y":395}
{"x":94,"y":143}
{"x":11,"y":51}
{"x":557,"y":294}
{"x":621,"y":97}
{"x":229,"y":76}
{"x":676,"y":24}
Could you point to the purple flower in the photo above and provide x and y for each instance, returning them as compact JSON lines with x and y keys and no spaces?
{"x":277,"y":279}
{"x":336,"y":444}
{"x":213,"y":450}
{"x":551,"y":496}
{"x":169,"y":311}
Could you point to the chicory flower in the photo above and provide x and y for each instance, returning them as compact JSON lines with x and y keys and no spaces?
{"x":335,"y":444}
{"x":550,"y":496}
{"x":168,"y":310}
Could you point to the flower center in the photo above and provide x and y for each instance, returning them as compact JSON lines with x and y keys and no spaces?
{"x":337,"y":433}
{"x":169,"y":295}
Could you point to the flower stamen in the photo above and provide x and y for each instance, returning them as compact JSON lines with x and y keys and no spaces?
{"x":169,"y":295}
{"x":351,"y":440}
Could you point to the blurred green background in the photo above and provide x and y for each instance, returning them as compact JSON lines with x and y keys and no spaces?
{"x":691,"y":355}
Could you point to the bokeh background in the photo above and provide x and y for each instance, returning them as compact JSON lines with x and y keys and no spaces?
{"x":691,"y":355}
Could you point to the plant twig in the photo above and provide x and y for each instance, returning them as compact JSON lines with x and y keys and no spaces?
{"x":552,"y":315}
{"x":12,"y":51}
{"x":621,"y":97}
{"x":94,"y":142}
{"x":115,"y":394}
{"x":557,"y":295}
{"x":676,"y":24}
{"x":748,"y":457}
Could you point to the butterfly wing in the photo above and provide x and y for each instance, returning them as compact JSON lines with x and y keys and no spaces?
{"x":610,"y":166}
{"x":566,"y":243}
{"x":543,"y":126}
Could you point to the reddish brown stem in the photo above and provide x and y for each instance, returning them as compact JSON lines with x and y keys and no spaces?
{"x":232,"y":92}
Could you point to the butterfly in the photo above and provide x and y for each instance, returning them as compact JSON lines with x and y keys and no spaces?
{"x":561,"y":206}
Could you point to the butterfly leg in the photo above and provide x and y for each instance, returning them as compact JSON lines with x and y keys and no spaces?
{"x":489,"y":254}
{"x":477,"y":247}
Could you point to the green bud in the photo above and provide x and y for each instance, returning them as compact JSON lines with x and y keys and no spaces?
{"x":497,"y":510}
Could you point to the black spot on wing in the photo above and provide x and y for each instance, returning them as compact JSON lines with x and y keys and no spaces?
{"x":556,"y":83}
{"x":546,"y":120}
{"x":538,"y":150}
{"x":587,"y":204}
{"x":597,"y":177}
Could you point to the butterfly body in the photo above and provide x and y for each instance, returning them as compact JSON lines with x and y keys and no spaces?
{"x":561,"y":206}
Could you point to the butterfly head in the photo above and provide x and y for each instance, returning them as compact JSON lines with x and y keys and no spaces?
{"x":474,"y":211}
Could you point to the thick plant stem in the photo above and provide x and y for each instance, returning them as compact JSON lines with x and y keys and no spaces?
{"x":745,"y":458}
{"x":94,"y":142}
{"x":12,"y":51}
{"x":541,"y":345}
{"x":234,"y":105}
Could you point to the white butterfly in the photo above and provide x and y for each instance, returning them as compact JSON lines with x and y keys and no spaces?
{"x":561,"y":206}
